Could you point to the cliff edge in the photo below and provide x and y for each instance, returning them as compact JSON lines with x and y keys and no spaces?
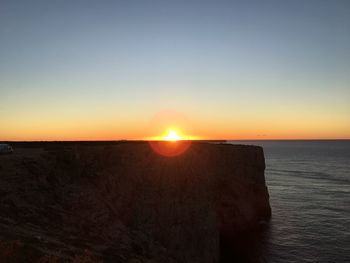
{"x":126,"y":203}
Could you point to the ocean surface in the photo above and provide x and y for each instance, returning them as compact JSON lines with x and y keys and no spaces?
{"x":309,"y":186}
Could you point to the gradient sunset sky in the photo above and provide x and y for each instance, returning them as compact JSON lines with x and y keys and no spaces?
{"x":109,"y":70}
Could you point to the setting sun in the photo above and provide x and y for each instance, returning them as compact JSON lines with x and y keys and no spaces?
{"x":172,"y":136}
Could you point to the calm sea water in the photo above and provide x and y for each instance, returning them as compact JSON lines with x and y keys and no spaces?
{"x":309,"y":186}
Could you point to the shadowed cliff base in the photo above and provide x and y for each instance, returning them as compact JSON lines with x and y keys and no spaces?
{"x":126,"y":203}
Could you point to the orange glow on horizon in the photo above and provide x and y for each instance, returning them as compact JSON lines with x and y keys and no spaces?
{"x":172,"y":126}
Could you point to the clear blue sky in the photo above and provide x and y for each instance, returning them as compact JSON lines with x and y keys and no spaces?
{"x":237,"y":69}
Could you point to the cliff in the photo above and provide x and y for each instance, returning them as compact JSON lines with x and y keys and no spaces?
{"x":126,"y":203}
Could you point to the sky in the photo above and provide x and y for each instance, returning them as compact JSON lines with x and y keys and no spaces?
{"x":110,"y":70}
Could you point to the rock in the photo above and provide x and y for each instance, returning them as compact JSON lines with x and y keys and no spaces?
{"x":127,"y":203}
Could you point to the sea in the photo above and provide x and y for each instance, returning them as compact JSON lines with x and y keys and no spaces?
{"x":309,"y":187}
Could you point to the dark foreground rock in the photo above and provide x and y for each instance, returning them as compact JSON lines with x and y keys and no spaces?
{"x":125,"y":203}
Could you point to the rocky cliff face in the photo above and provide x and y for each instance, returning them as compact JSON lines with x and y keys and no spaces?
{"x":129,"y":204}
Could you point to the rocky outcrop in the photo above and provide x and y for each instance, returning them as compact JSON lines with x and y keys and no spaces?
{"x":128,"y":204}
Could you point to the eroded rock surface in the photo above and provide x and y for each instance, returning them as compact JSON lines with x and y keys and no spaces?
{"x":128,"y":204}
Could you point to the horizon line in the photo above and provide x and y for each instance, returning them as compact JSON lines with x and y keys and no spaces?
{"x":198,"y":140}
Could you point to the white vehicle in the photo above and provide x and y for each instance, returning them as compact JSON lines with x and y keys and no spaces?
{"x":5,"y":148}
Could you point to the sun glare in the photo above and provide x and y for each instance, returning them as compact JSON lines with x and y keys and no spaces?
{"x":172,"y":143}
{"x":172,"y":136}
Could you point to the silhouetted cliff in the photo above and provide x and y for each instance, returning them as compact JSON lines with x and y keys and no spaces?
{"x":128,"y":204}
